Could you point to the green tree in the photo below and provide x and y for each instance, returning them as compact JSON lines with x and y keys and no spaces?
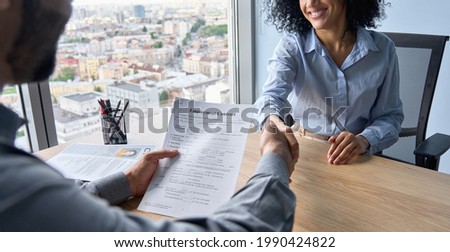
{"x":153,"y":35}
{"x":9,"y":90}
{"x":144,"y":29}
{"x":164,"y":96}
{"x":187,"y":38}
{"x":199,"y":23}
{"x":20,"y":133}
{"x":98,"y":89}
{"x":78,"y":40}
{"x":158,"y":44}
{"x":179,"y":51}
{"x":214,"y":30}
{"x":66,"y":74}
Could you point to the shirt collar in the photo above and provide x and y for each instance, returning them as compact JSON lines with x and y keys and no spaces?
{"x":364,"y":42}
{"x":10,"y":122}
{"x":311,"y":41}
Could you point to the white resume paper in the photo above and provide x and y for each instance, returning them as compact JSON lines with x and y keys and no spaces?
{"x":92,"y":161}
{"x":211,"y":139}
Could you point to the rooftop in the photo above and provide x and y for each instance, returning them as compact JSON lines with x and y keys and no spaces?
{"x":184,"y":81}
{"x":130,"y":87}
{"x":64,"y":116}
{"x":148,"y":68}
{"x":82,"y":97}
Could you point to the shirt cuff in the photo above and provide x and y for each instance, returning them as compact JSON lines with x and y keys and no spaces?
{"x":272,"y":164}
{"x":113,"y":188}
{"x":372,"y":142}
{"x":263,"y":115}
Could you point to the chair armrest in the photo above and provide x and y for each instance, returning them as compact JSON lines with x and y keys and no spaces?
{"x":407,"y":132}
{"x":434,"y":146}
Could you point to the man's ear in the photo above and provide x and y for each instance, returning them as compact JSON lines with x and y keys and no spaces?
{"x":4,"y":4}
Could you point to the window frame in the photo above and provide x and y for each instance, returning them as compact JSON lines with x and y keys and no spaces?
{"x":243,"y":48}
{"x":38,"y":111}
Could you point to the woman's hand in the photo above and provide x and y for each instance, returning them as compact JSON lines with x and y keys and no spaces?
{"x":345,"y":146}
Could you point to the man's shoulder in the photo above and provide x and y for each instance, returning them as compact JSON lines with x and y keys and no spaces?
{"x":21,"y":172}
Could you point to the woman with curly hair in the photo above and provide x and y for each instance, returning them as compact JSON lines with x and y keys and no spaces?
{"x":338,"y":80}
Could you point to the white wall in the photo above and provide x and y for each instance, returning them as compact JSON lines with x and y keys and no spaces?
{"x":414,"y":16}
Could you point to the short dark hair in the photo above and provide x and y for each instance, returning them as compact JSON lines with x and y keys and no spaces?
{"x":287,"y":17}
{"x":32,"y":57}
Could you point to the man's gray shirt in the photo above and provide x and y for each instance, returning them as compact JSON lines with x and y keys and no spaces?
{"x":35,"y":197}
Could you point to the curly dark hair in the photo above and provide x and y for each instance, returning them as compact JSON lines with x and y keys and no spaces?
{"x":286,"y":15}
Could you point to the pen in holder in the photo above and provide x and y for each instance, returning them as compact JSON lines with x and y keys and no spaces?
{"x":113,"y":127}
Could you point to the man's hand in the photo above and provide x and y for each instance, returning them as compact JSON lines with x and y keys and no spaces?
{"x":279,"y":139}
{"x":141,"y":173}
{"x":345,"y":146}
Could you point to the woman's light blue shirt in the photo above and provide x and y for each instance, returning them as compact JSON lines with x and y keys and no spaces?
{"x":361,"y":96}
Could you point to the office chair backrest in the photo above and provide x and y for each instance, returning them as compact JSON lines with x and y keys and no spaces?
{"x":420,"y":58}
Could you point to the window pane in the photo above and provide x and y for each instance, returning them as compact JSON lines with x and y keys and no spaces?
{"x":10,"y":97}
{"x":148,"y":52}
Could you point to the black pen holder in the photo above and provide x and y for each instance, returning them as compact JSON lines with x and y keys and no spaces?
{"x":113,"y":130}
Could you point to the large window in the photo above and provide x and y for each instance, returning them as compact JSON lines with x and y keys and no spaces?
{"x":148,"y":52}
{"x":11,"y":98}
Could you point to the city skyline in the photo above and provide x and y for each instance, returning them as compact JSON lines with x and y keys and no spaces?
{"x":173,"y":49}
{"x":131,"y":2}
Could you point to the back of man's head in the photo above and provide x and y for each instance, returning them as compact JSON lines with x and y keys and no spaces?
{"x":29,"y":33}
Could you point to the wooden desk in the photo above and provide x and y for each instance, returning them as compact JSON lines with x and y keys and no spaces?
{"x":370,"y":194}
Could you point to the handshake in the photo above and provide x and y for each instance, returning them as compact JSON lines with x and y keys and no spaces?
{"x":279,"y":139}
